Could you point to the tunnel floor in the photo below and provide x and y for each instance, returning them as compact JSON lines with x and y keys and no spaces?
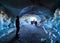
{"x":31,"y":34}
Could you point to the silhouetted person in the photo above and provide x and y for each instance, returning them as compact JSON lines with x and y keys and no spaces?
{"x":17,"y":26}
{"x":31,"y":22}
{"x":35,"y":23}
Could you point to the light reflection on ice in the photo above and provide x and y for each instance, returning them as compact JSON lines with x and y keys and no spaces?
{"x":6,"y":24}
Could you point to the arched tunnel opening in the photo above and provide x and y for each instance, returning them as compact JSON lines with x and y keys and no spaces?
{"x":29,"y":24}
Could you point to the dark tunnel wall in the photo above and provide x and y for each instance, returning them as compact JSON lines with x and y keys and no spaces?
{"x":15,"y":6}
{"x":16,"y":3}
{"x":47,"y":3}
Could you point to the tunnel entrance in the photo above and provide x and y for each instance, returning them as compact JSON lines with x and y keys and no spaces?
{"x":31,"y":19}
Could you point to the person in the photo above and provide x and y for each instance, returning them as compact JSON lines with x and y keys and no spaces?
{"x":31,"y":22}
{"x":17,"y":26}
{"x":35,"y":23}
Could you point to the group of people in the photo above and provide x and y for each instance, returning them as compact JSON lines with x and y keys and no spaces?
{"x":34,"y":22}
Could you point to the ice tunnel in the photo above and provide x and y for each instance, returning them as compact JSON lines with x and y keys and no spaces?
{"x":36,"y":25}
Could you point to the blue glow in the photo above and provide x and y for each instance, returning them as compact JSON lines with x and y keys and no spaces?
{"x":49,"y":27}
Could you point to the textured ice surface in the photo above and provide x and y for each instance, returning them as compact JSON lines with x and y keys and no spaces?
{"x":46,"y":30}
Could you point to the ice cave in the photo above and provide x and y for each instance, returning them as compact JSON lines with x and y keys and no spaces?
{"x":35,"y":22}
